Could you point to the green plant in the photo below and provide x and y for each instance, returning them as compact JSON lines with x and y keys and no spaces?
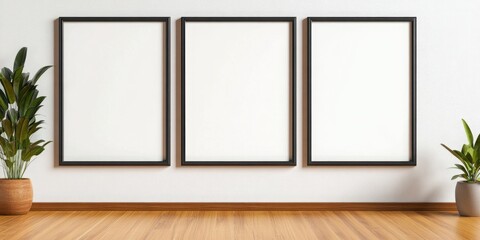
{"x":468,"y":156}
{"x":19,"y":103}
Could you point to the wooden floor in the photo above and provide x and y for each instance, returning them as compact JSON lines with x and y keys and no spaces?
{"x":238,"y":225}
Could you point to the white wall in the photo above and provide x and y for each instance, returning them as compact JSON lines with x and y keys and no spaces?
{"x":448,"y":88}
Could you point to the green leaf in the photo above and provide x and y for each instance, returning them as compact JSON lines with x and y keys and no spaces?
{"x":9,"y":163}
{"x":38,"y":101}
{"x":477,"y":143}
{"x":12,"y":115}
{"x":464,"y":159}
{"x":25,"y":77}
{"x":3,"y":96}
{"x":3,"y":103}
{"x":31,"y":111}
{"x":455,"y":153}
{"x":33,"y":120}
{"x":7,"y":86}
{"x":24,"y":103}
{"x":469,"y":157}
{"x":35,"y":124}
{"x":39,"y":73}
{"x":462,"y":168}
{"x":465,"y":148}
{"x":22,"y":130}
{"x":5,"y":146}
{"x":7,"y":126}
{"x":33,"y":130}
{"x":37,"y":143}
{"x":46,"y":143}
{"x":456,"y":176}
{"x":9,"y":148}
{"x":18,"y":129}
{"x":33,"y":151}
{"x":20,"y":58}
{"x":17,"y":80}
{"x":7,"y":73}
{"x":35,"y":93}
{"x":22,"y":100}
{"x":468,"y":132}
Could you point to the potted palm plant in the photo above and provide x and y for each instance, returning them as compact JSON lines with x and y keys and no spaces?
{"x":467,"y":192}
{"x":19,"y":104}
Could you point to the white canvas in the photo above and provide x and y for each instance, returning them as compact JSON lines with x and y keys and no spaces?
{"x":360,"y":85}
{"x":238,"y":91}
{"x":113,"y":91}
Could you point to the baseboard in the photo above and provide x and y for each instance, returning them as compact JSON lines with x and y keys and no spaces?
{"x":254,"y":206}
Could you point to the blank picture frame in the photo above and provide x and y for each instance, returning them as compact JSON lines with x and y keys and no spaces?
{"x":361,"y":91}
{"x":238,"y":91}
{"x":114,"y":97}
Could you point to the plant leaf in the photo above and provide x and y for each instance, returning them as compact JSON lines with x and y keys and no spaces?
{"x":464,"y":159}
{"x":17,"y":80}
{"x":465,"y":148}
{"x":25,"y":77}
{"x":462,"y":168}
{"x":468,"y":132}
{"x":38,"y":101}
{"x":477,"y":143}
{"x":20,"y":58}
{"x":31,"y":111}
{"x":3,"y":103}
{"x":7,"y":85}
{"x":33,"y":130}
{"x":7,"y":126}
{"x":7,"y":73}
{"x":454,"y":153}
{"x":46,"y":143}
{"x":3,"y":97}
{"x":39,"y":73}
{"x":37,"y":143}
{"x":33,"y":151}
{"x":18,"y":129}
{"x":24,"y":103}
{"x":24,"y":134}
{"x":12,"y":115}
{"x":456,"y":176}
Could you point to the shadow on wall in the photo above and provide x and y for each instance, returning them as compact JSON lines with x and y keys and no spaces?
{"x":56,"y":97}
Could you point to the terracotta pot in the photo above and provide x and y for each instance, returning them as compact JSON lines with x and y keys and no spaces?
{"x":15,"y":196}
{"x":467,"y":197}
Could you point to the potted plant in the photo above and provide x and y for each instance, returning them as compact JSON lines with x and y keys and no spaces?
{"x":467,"y":192}
{"x":19,"y":104}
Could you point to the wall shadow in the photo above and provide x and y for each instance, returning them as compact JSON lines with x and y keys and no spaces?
{"x":56,"y":96}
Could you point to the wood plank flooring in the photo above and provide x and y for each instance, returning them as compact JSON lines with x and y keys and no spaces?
{"x":238,"y":225}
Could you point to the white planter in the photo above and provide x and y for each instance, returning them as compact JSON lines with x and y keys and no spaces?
{"x":467,"y":197}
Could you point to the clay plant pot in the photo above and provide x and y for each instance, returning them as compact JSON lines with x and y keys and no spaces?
{"x":467,"y":197}
{"x":15,"y":196}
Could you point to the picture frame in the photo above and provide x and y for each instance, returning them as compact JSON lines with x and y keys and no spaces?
{"x":219,"y":58}
{"x":361,"y":91}
{"x":114,"y":82}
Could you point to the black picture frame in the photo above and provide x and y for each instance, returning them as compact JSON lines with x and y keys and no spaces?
{"x":292,"y":130}
{"x":413,"y":158}
{"x":166,"y":104}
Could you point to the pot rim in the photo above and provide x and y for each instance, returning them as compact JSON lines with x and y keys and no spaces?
{"x":14,"y":179}
{"x":465,"y":182}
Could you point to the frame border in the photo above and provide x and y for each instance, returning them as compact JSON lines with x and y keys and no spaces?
{"x":292,"y":161}
{"x":413,"y":133}
{"x":165,"y":161}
